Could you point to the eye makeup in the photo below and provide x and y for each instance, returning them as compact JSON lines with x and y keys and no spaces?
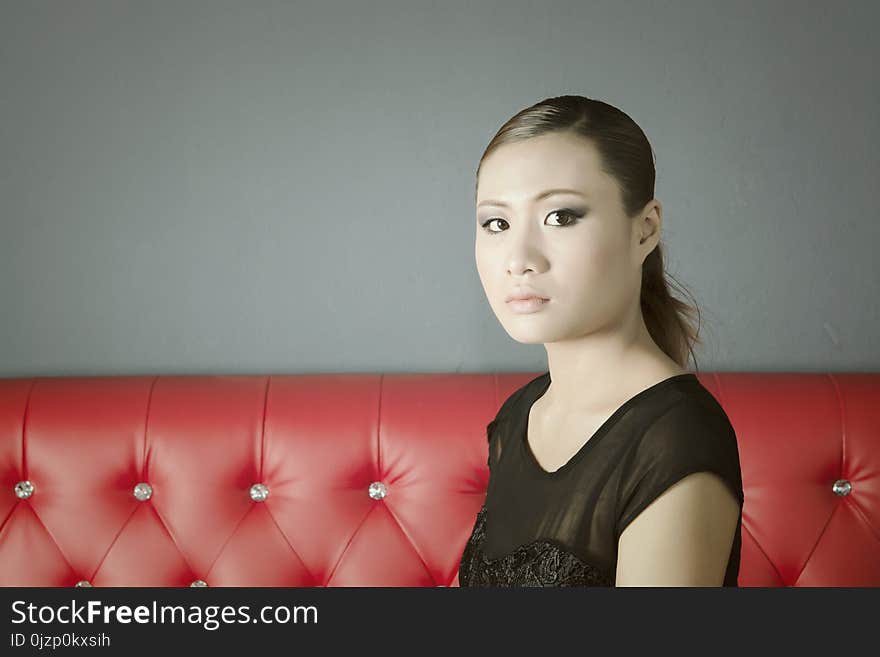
{"x":573,"y":218}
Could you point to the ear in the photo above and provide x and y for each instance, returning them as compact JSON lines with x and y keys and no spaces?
{"x":646,"y":228}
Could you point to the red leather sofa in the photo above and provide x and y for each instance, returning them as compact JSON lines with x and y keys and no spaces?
{"x":374,"y":479}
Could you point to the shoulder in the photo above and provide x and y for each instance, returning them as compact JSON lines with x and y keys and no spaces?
{"x":514,"y":400}
{"x":691,"y":435}
{"x":693,"y":425}
{"x":525,"y":391}
{"x":681,"y":479}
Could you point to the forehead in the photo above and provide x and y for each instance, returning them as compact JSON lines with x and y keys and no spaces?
{"x":517,"y":171}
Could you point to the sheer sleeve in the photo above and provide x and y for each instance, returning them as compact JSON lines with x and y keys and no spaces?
{"x":689,"y":437}
{"x":496,"y":429}
{"x":494,"y":447}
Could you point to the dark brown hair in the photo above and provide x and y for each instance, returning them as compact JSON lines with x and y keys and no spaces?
{"x":626,"y":155}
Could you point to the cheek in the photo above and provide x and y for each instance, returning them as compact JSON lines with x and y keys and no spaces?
{"x":609,"y":264}
{"x":590,"y":263}
{"x":597,"y":273}
{"x":479,"y":260}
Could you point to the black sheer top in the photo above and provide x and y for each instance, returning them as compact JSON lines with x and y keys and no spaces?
{"x":560,"y":528}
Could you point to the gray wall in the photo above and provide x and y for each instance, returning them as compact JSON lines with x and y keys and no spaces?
{"x":284,"y":187}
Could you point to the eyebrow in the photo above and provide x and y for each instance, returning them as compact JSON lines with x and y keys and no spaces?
{"x":542,"y":195}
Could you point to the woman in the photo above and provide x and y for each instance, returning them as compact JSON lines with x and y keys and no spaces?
{"x":616,"y":467}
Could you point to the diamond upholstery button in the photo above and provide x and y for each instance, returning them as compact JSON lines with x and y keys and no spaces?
{"x":143,"y":491}
{"x":259,"y":492}
{"x":841,"y":487}
{"x":199,"y":582}
{"x":83,"y":583}
{"x":24,"y":489}
{"x":378,"y":490}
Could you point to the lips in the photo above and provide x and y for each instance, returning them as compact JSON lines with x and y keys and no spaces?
{"x":524,"y":294}
{"x":527,"y":306}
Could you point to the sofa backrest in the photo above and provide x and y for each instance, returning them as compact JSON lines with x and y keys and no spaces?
{"x":374,"y":479}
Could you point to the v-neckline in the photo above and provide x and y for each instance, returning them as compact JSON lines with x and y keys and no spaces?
{"x":597,"y":435}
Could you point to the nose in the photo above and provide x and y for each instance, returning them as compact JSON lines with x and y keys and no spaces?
{"x":524,"y":254}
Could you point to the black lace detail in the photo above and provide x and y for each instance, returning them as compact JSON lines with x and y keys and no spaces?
{"x":539,"y":563}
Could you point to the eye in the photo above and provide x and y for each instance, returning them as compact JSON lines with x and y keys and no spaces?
{"x":485,"y":225}
{"x":572,"y":215}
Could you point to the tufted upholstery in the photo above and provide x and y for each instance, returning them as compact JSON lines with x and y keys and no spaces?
{"x":374,"y":480}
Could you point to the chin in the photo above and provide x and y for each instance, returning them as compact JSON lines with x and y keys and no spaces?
{"x":526,"y":337}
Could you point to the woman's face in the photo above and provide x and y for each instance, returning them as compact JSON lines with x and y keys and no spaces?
{"x":586,"y":263}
